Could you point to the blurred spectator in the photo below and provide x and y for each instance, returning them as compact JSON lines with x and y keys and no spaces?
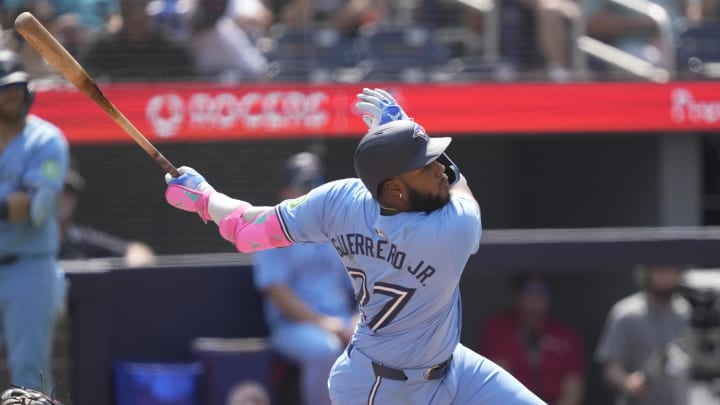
{"x":138,"y":51}
{"x":253,"y":16}
{"x":347,"y":16}
{"x":629,"y":30}
{"x":172,"y":17}
{"x":541,"y":352}
{"x":637,"y":330}
{"x":310,"y":305}
{"x":83,"y":242}
{"x":221,"y":49}
{"x":702,"y":11}
{"x":72,"y":22}
{"x":537,"y":33}
{"x":33,"y":62}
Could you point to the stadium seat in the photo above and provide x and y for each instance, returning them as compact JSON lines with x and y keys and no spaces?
{"x":406,"y":53}
{"x":312,"y":54}
{"x":698,"y":52}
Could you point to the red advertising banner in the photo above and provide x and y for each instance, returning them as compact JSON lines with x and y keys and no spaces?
{"x":200,"y":112}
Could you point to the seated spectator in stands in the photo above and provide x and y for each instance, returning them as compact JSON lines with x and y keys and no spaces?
{"x":253,"y":16}
{"x":72,"y":22}
{"x":637,"y":330}
{"x":221,"y":49}
{"x":546,"y":355}
{"x":347,"y":16}
{"x":171,"y":17}
{"x":629,"y":30}
{"x":703,"y":11}
{"x":310,"y":308}
{"x":35,"y":65}
{"x":538,"y":34}
{"x":138,"y":51}
{"x":83,"y":242}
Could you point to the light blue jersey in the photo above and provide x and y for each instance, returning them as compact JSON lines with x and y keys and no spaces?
{"x":37,"y":158}
{"x":405,"y":268}
{"x":405,"y":271}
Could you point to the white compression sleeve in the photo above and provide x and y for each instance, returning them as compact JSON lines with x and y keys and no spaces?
{"x":220,"y":206}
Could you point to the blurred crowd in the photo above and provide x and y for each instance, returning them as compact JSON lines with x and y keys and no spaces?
{"x":363,"y":40}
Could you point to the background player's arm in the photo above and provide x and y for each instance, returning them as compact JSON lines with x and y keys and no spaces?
{"x":17,"y":207}
{"x":296,"y":310}
{"x":632,"y":384}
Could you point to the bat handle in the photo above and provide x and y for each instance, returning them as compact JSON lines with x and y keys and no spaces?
{"x":166,"y":165}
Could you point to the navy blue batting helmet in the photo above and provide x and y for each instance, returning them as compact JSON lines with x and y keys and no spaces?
{"x":395,"y":148}
{"x":12,"y":73}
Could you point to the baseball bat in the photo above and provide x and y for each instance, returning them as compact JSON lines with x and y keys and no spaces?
{"x":58,"y":57}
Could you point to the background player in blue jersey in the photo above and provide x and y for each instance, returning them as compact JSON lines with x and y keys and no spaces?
{"x":310,"y":306}
{"x":33,"y":161}
{"x":404,"y":230}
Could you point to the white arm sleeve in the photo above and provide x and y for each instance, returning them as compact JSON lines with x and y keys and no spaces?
{"x":220,"y":206}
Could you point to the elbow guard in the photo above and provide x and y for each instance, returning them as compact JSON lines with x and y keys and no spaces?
{"x":264,"y":232}
{"x":43,"y":203}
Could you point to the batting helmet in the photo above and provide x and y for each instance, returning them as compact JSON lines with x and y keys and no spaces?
{"x":303,"y":171}
{"x":395,"y":148}
{"x":12,"y":72}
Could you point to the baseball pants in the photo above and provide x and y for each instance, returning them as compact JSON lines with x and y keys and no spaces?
{"x":470,"y":380}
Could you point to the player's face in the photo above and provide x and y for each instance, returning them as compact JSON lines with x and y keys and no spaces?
{"x":427,"y":188}
{"x":12,"y":101}
{"x":663,"y":281}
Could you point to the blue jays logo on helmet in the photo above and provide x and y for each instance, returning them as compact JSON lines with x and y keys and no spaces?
{"x":419,"y":132}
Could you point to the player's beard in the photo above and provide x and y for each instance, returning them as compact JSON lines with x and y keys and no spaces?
{"x":419,"y":202}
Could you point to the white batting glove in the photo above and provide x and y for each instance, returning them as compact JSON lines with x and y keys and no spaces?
{"x":379,"y":107}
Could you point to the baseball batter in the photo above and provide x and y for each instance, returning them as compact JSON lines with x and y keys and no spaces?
{"x":33,"y":161}
{"x":404,"y":230}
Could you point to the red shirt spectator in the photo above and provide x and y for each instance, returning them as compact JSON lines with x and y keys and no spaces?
{"x":545,"y":355}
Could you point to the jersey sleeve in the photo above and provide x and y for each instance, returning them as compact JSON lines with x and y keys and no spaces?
{"x":307,"y":219}
{"x":456,"y":231}
{"x":47,"y":164}
{"x":271,"y":268}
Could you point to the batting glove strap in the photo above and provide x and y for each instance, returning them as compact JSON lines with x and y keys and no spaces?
{"x":190,"y":200}
{"x":189,"y":192}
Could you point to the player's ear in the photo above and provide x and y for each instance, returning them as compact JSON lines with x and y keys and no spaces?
{"x":391,"y":188}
